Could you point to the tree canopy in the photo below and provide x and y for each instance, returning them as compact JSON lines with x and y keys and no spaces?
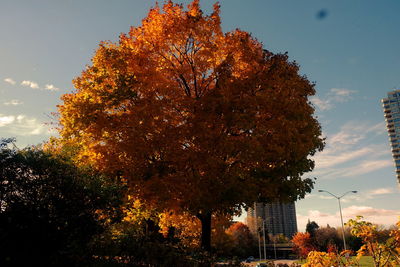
{"x":192,"y":118}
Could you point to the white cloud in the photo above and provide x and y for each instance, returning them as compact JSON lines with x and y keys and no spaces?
{"x":367,"y":195}
{"x":30,"y":84}
{"x":341,"y":94}
{"x":5,"y":120}
{"x":354,"y":131}
{"x":10,"y":81}
{"x":34,"y":85}
{"x":356,"y":169}
{"x":369,"y":166}
{"x":22,"y":125}
{"x":378,"y":216}
{"x":325,"y":197}
{"x":320,"y":196}
{"x":352,"y":152}
{"x":335,"y":95}
{"x":370,"y":212}
{"x":51,"y":87}
{"x":13,"y":102}
{"x":347,"y":138}
{"x":321,"y":104}
{"x":381,"y":191}
{"x":331,"y":159}
{"x":379,"y":128}
{"x":360,"y":196}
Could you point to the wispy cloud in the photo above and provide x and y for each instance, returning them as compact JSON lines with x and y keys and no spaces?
{"x":13,"y":102}
{"x":352,"y":151}
{"x":335,"y":95}
{"x":368,"y":195}
{"x":330,"y":159}
{"x":10,"y":81}
{"x":51,"y":87}
{"x":354,"y":131}
{"x":341,"y":94}
{"x":22,"y":125}
{"x":30,"y":84}
{"x":322,"y":104}
{"x":360,"y":196}
{"x":378,"y":216}
{"x":356,"y":169}
{"x":366,"y":211}
{"x":381,"y":191}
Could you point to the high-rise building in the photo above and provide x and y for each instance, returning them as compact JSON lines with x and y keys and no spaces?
{"x":280,"y":218}
{"x":391,"y":108}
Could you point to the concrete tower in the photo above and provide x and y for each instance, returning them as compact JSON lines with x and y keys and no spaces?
{"x":391,"y":108}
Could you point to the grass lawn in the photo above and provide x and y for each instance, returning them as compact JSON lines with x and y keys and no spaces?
{"x":366,"y":261}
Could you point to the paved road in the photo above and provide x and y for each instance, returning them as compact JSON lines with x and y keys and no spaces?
{"x":288,"y":262}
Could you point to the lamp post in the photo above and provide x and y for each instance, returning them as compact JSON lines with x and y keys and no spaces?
{"x":265,"y":252}
{"x":258,"y":230}
{"x":340,"y":210}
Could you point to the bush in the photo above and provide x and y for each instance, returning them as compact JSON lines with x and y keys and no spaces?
{"x":49,"y":209}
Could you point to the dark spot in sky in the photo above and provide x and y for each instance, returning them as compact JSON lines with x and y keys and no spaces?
{"x":322,"y":14}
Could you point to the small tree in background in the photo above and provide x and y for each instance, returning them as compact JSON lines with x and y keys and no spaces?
{"x":243,"y":240}
{"x":303,"y":244}
{"x":327,"y":237}
{"x":311,"y":227}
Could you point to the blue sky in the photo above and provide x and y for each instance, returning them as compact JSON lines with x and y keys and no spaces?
{"x":352,"y":53}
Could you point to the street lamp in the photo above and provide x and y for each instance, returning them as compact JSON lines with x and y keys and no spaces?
{"x":340,"y":209}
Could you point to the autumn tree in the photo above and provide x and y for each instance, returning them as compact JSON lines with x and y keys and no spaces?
{"x":243,"y":241}
{"x":303,"y":244}
{"x":384,"y":251}
{"x":192,"y":118}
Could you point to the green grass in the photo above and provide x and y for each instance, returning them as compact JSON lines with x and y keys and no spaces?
{"x":366,"y":261}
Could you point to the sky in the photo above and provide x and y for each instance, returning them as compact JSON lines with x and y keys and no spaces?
{"x":350,"y":49}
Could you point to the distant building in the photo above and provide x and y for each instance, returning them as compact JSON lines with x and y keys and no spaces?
{"x":391,"y":108}
{"x":280,"y":218}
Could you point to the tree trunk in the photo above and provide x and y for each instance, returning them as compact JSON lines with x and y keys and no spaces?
{"x":205,"y":219}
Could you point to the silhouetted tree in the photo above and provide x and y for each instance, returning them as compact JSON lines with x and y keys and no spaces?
{"x":311,"y":227}
{"x":49,"y":209}
{"x":327,"y":237}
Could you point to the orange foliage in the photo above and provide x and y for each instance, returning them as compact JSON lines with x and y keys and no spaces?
{"x":194,"y":119}
{"x":303,"y":244}
{"x":241,"y":234}
{"x":188,"y":228}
